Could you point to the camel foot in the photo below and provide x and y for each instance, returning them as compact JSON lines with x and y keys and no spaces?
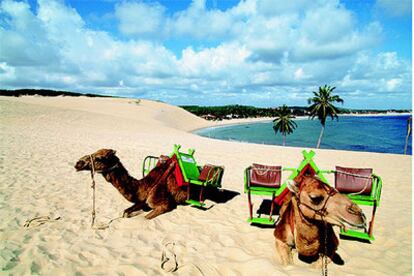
{"x":155,"y":213}
{"x":133,"y":210}
{"x":131,"y":214}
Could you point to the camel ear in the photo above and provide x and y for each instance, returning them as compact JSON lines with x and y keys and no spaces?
{"x":293,"y":186}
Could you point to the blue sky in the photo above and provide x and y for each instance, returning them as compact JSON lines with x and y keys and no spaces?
{"x":212,"y":52}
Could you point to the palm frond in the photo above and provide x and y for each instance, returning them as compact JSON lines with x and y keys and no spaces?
{"x":321,"y":105}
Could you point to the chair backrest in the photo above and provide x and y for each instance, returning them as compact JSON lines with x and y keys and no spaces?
{"x":266,"y":176}
{"x":188,"y":166}
{"x":353,"y":180}
{"x":209,"y":172}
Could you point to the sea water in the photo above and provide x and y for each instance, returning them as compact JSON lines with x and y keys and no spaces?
{"x":385,"y":134}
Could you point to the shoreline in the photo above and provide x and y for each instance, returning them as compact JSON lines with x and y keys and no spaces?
{"x":230,"y":122}
{"x":206,"y":133}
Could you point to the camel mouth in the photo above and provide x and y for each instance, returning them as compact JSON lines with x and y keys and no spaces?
{"x":346,"y":223}
{"x":80,"y":166}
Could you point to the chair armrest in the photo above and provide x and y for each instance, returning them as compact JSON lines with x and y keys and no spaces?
{"x":148,"y":164}
{"x":377,"y":183}
{"x":327,"y":171}
{"x":289,"y":169}
{"x":247,"y":178}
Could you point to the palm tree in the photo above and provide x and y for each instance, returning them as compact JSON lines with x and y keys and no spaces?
{"x":321,"y":106}
{"x":409,"y":122}
{"x":283,"y":122}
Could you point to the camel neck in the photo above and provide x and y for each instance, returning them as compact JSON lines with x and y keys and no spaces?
{"x":306,"y":232}
{"x":122,"y":181}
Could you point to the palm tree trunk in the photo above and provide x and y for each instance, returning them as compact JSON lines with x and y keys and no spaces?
{"x":284,"y":140}
{"x":408,"y":135}
{"x":320,"y":137}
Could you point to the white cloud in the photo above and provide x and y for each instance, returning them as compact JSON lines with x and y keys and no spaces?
{"x":265,"y":55}
{"x":138,"y":18}
{"x":299,"y":73}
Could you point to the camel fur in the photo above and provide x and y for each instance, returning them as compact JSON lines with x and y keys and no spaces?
{"x":306,"y":218}
{"x":161,"y":195}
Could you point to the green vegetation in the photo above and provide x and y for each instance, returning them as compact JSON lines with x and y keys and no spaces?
{"x":44,"y":92}
{"x":242,"y":111}
{"x":238,"y":111}
{"x":283,"y":122}
{"x":321,"y":106}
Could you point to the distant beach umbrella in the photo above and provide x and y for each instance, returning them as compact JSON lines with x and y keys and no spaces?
{"x":321,"y":106}
{"x":283,"y":122}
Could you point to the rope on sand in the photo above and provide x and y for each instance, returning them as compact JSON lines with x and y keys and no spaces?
{"x":37,"y":221}
{"x":168,"y":256}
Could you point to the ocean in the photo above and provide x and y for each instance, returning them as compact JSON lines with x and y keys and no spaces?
{"x":384,"y":134}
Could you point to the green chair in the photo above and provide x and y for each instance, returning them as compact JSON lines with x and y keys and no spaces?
{"x":193,"y":174}
{"x":188,"y":173}
{"x":363,"y":187}
{"x":262,"y":180}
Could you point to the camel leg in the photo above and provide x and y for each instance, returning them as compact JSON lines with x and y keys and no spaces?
{"x":158,"y":211}
{"x":160,"y":201}
{"x":285,"y":252}
{"x":136,"y":207}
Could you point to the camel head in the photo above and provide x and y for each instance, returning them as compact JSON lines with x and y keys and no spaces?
{"x":318,"y":201}
{"x":103,"y":160}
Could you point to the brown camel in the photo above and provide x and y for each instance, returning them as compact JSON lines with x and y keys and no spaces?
{"x":306,"y":218}
{"x":158,"y":190}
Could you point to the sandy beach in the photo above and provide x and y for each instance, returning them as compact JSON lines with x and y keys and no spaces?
{"x":42,"y":138}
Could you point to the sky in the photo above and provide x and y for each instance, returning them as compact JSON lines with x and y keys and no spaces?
{"x":212,"y":52}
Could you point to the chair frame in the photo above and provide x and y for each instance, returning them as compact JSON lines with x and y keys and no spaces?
{"x":373,"y":200}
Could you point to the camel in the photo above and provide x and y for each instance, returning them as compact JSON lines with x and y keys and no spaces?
{"x":306,"y":218}
{"x":158,"y":190}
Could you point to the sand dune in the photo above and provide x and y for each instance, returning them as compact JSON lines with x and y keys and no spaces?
{"x":41,"y":139}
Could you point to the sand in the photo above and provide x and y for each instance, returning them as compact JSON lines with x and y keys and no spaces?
{"x":42,"y":138}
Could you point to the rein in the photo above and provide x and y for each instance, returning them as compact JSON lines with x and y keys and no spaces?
{"x":93,"y":186}
{"x":93,"y":189}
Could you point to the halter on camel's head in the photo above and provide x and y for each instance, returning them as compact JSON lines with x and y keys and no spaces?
{"x":102,"y":161}
{"x":318,"y":201}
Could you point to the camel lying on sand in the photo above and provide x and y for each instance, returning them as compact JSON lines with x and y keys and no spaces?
{"x":306,"y":218}
{"x":158,"y":190}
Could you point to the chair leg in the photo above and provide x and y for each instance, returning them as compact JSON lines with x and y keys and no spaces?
{"x":188,"y":191}
{"x":272,"y":206}
{"x":249,"y":198}
{"x":371,"y":223}
{"x":201,"y":194}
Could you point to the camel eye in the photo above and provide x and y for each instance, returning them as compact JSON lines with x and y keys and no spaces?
{"x":316,"y":199}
